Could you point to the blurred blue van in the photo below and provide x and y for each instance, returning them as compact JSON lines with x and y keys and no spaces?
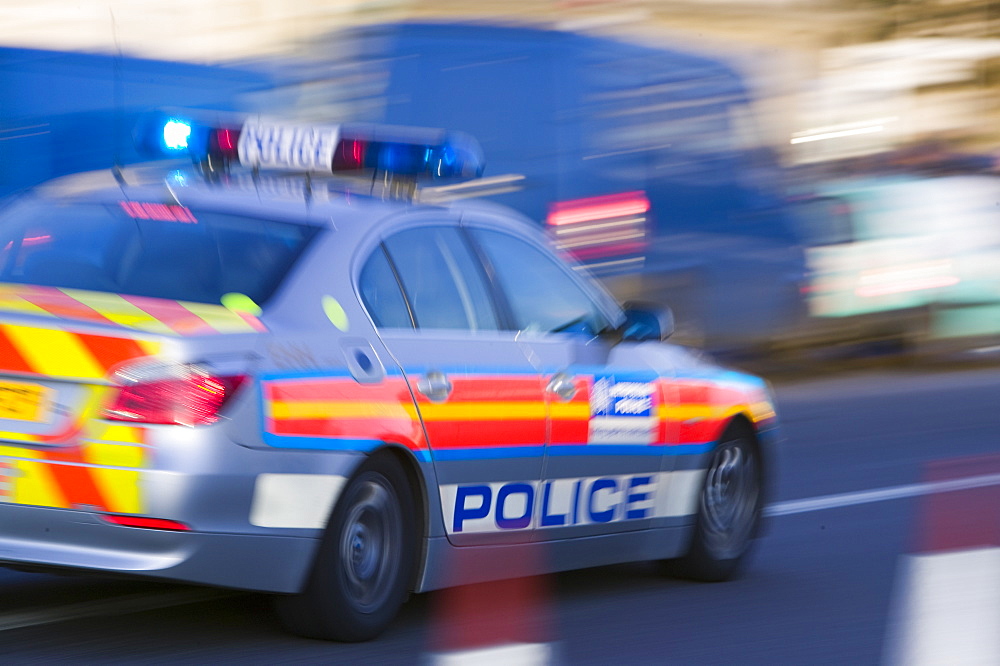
{"x":643,"y":161}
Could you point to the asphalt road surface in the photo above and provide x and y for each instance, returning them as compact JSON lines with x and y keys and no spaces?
{"x":881,"y":476}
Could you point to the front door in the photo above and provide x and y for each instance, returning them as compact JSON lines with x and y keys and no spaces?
{"x":604,"y":456}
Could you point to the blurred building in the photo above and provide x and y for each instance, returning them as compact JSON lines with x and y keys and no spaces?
{"x":822,"y":67}
{"x":190,"y":30}
{"x":827,"y":86}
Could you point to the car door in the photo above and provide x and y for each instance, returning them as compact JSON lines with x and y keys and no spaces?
{"x":480,"y":400}
{"x":604,"y":452}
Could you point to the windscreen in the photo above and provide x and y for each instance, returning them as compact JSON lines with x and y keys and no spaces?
{"x":148,"y":249}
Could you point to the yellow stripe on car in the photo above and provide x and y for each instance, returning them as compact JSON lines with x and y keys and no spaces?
{"x":324,"y":409}
{"x":483,"y":411}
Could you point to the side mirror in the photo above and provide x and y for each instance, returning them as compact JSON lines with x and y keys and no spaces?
{"x":647,"y":321}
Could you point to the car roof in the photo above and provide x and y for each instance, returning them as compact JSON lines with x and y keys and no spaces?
{"x":323,"y":201}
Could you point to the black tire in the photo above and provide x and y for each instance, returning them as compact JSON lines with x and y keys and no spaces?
{"x":363,"y":568}
{"x":729,"y":511}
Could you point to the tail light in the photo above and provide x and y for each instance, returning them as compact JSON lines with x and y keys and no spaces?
{"x":172,"y":394}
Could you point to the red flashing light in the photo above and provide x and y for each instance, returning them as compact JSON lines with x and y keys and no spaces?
{"x":224,"y":142}
{"x":138,"y":210}
{"x":146,"y":523}
{"x":192,"y":399}
{"x":350,"y":154}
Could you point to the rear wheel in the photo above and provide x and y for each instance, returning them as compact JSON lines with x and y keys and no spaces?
{"x":363,"y":567}
{"x":729,"y":508}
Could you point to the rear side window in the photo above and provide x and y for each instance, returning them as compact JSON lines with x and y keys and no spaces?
{"x":444,"y":283}
{"x":381,"y":295}
{"x":148,"y":249}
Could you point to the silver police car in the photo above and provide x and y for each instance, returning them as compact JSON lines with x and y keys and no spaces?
{"x":250,"y":373}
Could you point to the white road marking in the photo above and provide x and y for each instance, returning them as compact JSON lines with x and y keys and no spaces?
{"x":879,"y":495}
{"x":129,"y":603}
{"x":516,"y":654}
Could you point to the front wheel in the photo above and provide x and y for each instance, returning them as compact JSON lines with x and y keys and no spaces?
{"x":362,"y":570}
{"x":729,"y":510}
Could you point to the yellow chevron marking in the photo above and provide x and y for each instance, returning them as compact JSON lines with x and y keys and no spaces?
{"x":114,"y":455}
{"x":119,"y":310}
{"x":219,"y":318}
{"x":53,"y":352}
{"x":35,"y":485}
{"x":14,"y":303}
{"x":124,"y":434}
{"x":483,"y":411}
{"x":327,"y":409}
{"x":119,"y":488}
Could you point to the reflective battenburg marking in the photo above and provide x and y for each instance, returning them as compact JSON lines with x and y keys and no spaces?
{"x":487,"y":411}
{"x":339,"y":413}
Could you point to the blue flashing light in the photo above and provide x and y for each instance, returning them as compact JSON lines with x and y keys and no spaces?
{"x":176,"y":134}
{"x":162,"y":134}
{"x":404,"y":151}
{"x":416,"y":152}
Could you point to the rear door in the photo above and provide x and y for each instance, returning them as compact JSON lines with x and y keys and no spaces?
{"x":480,"y":400}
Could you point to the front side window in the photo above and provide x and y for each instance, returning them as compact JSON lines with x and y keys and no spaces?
{"x":543,"y":296}
{"x":148,"y":249}
{"x":442,"y":280}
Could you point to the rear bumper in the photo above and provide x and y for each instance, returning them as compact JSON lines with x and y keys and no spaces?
{"x":63,"y":539}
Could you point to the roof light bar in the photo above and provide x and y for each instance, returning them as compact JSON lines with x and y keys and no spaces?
{"x":260,"y":143}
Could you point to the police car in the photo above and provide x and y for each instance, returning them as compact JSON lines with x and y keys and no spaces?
{"x":249,"y":373}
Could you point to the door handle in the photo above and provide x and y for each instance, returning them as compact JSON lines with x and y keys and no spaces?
{"x":435,"y":386}
{"x":562,"y":386}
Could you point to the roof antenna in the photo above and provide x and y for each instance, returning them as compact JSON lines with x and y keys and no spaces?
{"x":119,"y":102}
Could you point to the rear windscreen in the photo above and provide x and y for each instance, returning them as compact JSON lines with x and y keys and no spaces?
{"x":148,"y":249}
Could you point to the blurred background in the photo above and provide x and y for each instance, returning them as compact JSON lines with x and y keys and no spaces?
{"x":804,"y":182}
{"x":797,"y":179}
